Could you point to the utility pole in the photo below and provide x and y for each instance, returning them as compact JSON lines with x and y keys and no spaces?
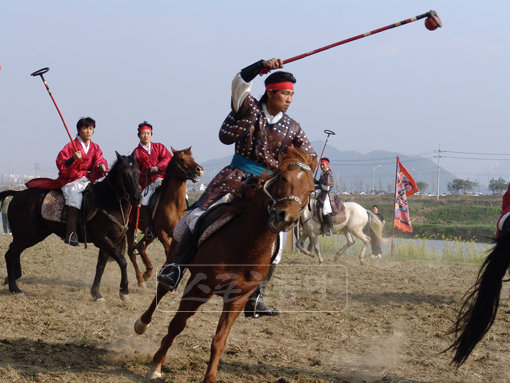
{"x":438,"y":169}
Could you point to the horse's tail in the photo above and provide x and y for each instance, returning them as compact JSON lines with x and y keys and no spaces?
{"x":6,"y":193}
{"x":376,"y":225}
{"x":482,"y":300}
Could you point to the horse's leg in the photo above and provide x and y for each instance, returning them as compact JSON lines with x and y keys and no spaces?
{"x":121,"y":261}
{"x":350,"y":242}
{"x":231,"y":311}
{"x":102,"y":259}
{"x":190,"y":303}
{"x":146,"y":261}
{"x":314,"y":242}
{"x":12,"y":261}
{"x":132,"y":256}
{"x":143,"y":322}
{"x":366,"y":240}
{"x":13,"y":254}
{"x":300,"y":244}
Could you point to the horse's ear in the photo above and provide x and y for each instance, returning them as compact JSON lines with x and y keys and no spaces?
{"x":118,"y":155}
{"x":133,"y":155}
{"x":173,"y":150}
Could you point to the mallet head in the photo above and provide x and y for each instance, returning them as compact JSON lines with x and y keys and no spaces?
{"x":433,"y":22}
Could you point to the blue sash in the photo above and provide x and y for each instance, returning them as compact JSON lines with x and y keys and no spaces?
{"x":249,"y":166}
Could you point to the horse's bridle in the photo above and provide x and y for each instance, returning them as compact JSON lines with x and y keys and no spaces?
{"x":293,"y":198}
{"x":188,"y":174}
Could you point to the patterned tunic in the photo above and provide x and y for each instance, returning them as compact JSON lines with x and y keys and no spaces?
{"x":325,"y":179}
{"x":256,"y":139}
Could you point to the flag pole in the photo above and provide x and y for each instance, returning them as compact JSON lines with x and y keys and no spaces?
{"x":394,"y":203}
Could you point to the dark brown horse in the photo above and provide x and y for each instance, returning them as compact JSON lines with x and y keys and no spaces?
{"x":240,"y":254}
{"x":480,"y":306}
{"x":106,"y":207}
{"x":169,"y":210}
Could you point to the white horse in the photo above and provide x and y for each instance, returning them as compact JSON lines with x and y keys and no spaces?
{"x":356,"y":218}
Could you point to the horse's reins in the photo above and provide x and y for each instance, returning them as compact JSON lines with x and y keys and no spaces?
{"x":293,"y":198}
{"x":125,"y":218}
{"x":189,"y":175}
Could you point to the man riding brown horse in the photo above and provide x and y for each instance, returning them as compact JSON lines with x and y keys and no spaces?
{"x":153,"y":158}
{"x":261,"y":132}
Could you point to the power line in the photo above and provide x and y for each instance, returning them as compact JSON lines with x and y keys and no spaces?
{"x":480,"y":154}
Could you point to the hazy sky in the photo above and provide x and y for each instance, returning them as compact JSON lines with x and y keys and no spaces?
{"x":171,"y":63}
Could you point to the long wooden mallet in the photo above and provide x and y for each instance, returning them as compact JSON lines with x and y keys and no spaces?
{"x":41,"y":72}
{"x":432,"y":22}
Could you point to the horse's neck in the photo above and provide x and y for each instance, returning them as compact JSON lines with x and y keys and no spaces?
{"x":174,"y":190}
{"x":105,"y":197}
{"x":253,"y":223}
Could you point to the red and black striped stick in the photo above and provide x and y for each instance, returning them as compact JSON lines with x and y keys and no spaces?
{"x":432,"y":22}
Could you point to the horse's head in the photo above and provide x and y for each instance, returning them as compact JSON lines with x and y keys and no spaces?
{"x":290,"y":189}
{"x":183,"y":165}
{"x":125,"y":175}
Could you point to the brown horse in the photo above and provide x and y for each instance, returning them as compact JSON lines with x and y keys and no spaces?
{"x":169,"y":210}
{"x":241,"y":252}
{"x":106,"y":206}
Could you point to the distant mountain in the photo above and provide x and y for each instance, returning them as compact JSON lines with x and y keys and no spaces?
{"x":356,"y":172}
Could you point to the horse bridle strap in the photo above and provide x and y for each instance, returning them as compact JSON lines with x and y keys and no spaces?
{"x":302,"y":166}
{"x":293,"y":198}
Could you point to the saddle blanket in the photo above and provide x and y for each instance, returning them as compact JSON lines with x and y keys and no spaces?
{"x":208,"y":231}
{"x":53,"y":206}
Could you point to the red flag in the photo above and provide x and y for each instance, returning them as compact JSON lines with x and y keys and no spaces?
{"x":404,"y":187}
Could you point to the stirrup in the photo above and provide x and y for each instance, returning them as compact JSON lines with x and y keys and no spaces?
{"x":72,"y":240}
{"x":164,"y":278}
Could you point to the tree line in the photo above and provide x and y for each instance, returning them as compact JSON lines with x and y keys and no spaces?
{"x":465,"y":186}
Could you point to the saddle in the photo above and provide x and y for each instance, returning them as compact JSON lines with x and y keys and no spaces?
{"x":53,"y":207}
{"x":337,"y":207}
{"x":209,"y":223}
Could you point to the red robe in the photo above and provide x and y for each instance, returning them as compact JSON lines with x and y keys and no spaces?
{"x":87,"y":166}
{"x":160,"y":157}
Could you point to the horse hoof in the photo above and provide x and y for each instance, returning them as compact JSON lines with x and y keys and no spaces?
{"x":100,"y":299}
{"x":18,"y":293}
{"x":147,"y":275}
{"x":142,"y":285}
{"x":153,"y":374}
{"x":124,"y":297}
{"x":140,"y":327}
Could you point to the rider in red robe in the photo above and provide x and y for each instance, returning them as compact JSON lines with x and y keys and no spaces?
{"x":153,"y":158}
{"x":78,"y":163}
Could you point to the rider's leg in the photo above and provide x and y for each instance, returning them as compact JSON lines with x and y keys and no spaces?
{"x":328,"y":220}
{"x":171,"y":274}
{"x":70,"y":236}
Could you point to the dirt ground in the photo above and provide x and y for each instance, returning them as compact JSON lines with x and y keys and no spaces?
{"x":385,"y":321}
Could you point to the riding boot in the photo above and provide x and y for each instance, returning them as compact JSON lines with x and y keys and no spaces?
{"x":70,"y":237}
{"x":171,"y":274}
{"x":255,"y":306}
{"x":328,"y":223}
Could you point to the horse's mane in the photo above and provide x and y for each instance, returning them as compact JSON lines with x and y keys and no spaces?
{"x":169,"y":169}
{"x":294,"y":154}
{"x":252,"y":186}
{"x":97,"y":195}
